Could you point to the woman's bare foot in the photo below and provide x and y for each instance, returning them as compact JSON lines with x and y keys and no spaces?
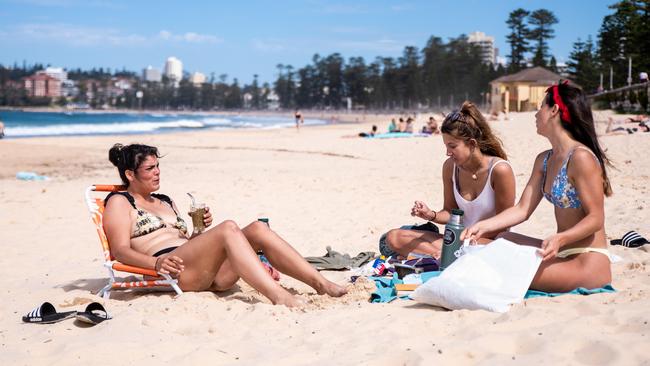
{"x":291,"y":301}
{"x":332,"y":289}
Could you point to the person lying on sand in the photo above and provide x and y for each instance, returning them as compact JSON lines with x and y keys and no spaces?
{"x":476,"y":178}
{"x":630,"y":129}
{"x":572,"y":176}
{"x":145,"y":230}
{"x":372,"y":132}
{"x":637,"y":118}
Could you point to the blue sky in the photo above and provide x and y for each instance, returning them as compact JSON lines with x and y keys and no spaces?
{"x":242,"y":38}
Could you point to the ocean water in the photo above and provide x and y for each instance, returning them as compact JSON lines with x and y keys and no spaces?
{"x":32,"y":124}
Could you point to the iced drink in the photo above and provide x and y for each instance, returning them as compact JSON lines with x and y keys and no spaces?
{"x":197,"y":212}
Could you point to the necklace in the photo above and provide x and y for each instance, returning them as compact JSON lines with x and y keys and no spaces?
{"x":475,"y":173}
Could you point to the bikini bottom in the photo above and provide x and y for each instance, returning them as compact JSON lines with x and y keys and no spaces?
{"x":573,"y":251}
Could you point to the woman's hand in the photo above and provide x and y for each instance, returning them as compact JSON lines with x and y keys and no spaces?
{"x":207,"y":217}
{"x":550,"y":247}
{"x":169,"y":264}
{"x":421,"y":210}
{"x":474,"y":232}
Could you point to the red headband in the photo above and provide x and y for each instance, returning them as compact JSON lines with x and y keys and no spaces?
{"x":564,"y":111}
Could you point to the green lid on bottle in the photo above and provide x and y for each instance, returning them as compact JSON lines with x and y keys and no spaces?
{"x":457,"y":211}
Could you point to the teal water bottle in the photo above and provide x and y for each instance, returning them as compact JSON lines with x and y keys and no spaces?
{"x":451,"y":240}
{"x":260,"y":253}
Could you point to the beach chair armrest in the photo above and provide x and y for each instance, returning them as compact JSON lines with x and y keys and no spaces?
{"x":132,"y":269}
{"x":109,"y":187}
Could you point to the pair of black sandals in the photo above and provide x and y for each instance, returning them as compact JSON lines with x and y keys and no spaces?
{"x":47,"y":314}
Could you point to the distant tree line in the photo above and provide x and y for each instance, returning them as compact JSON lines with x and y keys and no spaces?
{"x":441,"y":74}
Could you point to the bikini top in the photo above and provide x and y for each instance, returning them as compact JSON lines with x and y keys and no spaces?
{"x":147,"y":222}
{"x":563,"y":194}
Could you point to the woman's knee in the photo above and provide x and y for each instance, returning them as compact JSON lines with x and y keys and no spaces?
{"x":256,"y":227}
{"x":229,"y":226}
{"x":225,"y":230}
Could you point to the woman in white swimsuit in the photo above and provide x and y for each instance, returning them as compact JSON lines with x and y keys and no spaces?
{"x":476,"y":177}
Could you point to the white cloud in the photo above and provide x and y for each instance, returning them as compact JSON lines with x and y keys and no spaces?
{"x":76,"y":35}
{"x":163,"y":34}
{"x":91,"y":36}
{"x":189,"y":37}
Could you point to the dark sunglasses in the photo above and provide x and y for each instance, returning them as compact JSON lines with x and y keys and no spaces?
{"x":455,"y":116}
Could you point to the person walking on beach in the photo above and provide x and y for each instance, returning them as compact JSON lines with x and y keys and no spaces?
{"x":145,"y":230}
{"x":2,"y":130}
{"x":571,"y":176}
{"x":476,"y":178}
{"x":299,"y":119}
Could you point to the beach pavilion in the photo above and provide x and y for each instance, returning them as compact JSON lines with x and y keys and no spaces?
{"x":521,"y":91}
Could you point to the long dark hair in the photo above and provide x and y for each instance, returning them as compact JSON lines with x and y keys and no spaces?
{"x":468,"y":123}
{"x":581,"y":124}
{"x":130,"y":157}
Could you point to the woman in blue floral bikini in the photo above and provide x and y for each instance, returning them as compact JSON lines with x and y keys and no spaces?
{"x":572,"y":176}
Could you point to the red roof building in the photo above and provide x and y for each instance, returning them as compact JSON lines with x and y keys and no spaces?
{"x":42,"y":85}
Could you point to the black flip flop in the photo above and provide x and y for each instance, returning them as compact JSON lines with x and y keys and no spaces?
{"x":631,"y":239}
{"x":47,"y":314}
{"x":94,"y":314}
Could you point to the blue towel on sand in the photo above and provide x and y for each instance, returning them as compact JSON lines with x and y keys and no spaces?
{"x":386,"y":286}
{"x":579,"y":291}
{"x":386,"y":289}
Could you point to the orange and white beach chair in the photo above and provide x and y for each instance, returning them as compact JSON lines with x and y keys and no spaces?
{"x":96,"y":208}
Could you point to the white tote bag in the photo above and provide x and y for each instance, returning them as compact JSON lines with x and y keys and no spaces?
{"x":491,"y":278}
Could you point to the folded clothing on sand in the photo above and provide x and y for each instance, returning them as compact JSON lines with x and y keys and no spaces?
{"x":334,"y":260}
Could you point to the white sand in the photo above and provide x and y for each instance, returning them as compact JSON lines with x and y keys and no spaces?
{"x":318,"y":189}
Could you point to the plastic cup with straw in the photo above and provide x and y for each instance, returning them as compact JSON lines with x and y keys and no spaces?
{"x":197,"y":212}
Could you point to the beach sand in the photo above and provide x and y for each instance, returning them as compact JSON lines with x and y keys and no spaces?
{"x":318,"y":189}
